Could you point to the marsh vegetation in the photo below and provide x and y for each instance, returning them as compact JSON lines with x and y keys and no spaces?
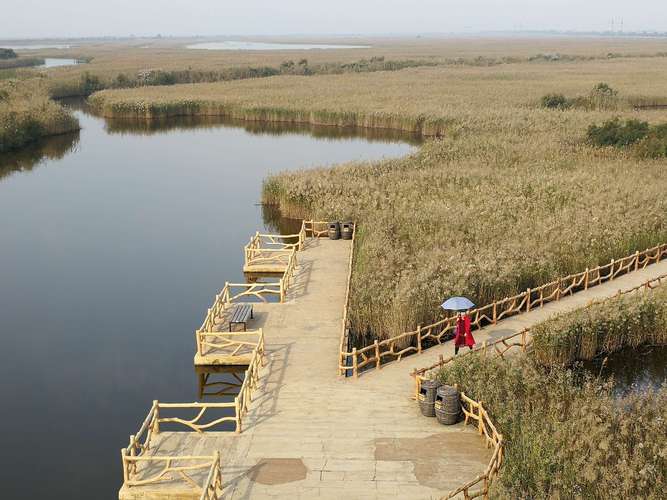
{"x":509,"y":196}
{"x":27,"y":114}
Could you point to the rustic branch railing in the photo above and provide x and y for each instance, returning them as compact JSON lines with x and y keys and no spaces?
{"x":212,"y":489}
{"x":475,"y":411}
{"x":413,"y":342}
{"x":345,"y":333}
{"x":498,"y":349}
{"x":230,"y":343}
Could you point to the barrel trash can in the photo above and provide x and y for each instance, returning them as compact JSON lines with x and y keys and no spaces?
{"x":346,"y":230}
{"x":426,"y":397}
{"x":447,"y":405}
{"x":334,"y":230}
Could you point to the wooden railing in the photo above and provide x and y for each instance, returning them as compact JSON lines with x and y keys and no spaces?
{"x":345,"y":333}
{"x":413,"y":342}
{"x":315,"y":229}
{"x":212,"y":489}
{"x":230,"y":343}
{"x":475,"y":410}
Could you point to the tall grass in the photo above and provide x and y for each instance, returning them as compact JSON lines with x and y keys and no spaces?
{"x":625,"y":322}
{"x":565,"y":434}
{"x":20,"y":62}
{"x":27,"y":114}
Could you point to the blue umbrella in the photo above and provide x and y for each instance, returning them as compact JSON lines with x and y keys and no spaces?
{"x":457,"y":304}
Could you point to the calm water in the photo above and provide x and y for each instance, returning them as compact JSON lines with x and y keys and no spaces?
{"x":114,"y":241}
{"x":54,"y":62}
{"x":632,"y":369}
{"x":240,"y":45}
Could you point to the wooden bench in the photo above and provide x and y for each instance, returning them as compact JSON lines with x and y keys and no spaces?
{"x":240,"y":316}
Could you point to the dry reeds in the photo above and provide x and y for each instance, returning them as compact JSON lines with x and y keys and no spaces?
{"x":625,"y":322}
{"x":27,"y":114}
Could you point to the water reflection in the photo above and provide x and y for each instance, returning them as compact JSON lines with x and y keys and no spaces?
{"x":632,"y":370}
{"x":49,"y":148}
{"x":160,"y":125}
{"x":219,"y":382}
{"x":275,"y":222}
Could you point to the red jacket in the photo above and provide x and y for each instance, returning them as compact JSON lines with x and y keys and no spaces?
{"x":463,"y":332}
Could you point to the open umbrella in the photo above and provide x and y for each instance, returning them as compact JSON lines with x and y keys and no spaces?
{"x":457,"y":304}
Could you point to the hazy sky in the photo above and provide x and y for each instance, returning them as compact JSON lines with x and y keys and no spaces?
{"x":75,"y":18}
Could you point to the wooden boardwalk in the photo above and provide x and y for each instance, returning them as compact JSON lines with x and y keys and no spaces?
{"x":311,"y":434}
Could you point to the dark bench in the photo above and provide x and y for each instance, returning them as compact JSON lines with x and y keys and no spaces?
{"x":241,"y":315}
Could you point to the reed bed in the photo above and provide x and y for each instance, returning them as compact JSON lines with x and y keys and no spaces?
{"x":565,"y":434}
{"x":121,"y":63}
{"x":508,"y":197}
{"x":28,"y":114}
{"x":629,"y":321}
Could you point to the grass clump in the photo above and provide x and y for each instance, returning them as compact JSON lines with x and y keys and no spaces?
{"x":646,"y":141}
{"x":555,"y":101}
{"x":565,"y":434}
{"x":625,"y":322}
{"x":27,"y":114}
{"x":617,"y":133}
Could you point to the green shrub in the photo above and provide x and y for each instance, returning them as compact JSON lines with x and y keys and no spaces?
{"x":90,"y":83}
{"x":555,"y":101}
{"x":7,"y":54}
{"x":654,"y":145}
{"x":617,"y":133}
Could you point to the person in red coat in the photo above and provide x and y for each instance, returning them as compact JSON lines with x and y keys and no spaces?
{"x":463,"y":332}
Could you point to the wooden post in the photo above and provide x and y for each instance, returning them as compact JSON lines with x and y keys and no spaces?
{"x":355,"y":370}
{"x":419,"y":339}
{"x":126,"y":472}
{"x":528,"y":300}
{"x":637,"y":260}
{"x":480,"y":423}
{"x":586,"y":280}
{"x":237,"y":409}
{"x":611,"y":276}
{"x":558,"y":290}
{"x":377,"y":355}
{"x":495,"y":312}
{"x":156,"y":417}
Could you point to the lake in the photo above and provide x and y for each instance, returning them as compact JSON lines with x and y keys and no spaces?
{"x":114,"y":242}
{"x":632,"y":370}
{"x":240,"y":45}
{"x":54,"y":62}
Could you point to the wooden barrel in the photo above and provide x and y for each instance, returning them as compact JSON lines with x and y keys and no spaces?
{"x":447,"y":405}
{"x":346,"y":230}
{"x":334,"y":230}
{"x":426,"y":397}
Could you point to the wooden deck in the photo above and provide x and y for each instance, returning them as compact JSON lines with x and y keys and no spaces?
{"x":311,"y":434}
